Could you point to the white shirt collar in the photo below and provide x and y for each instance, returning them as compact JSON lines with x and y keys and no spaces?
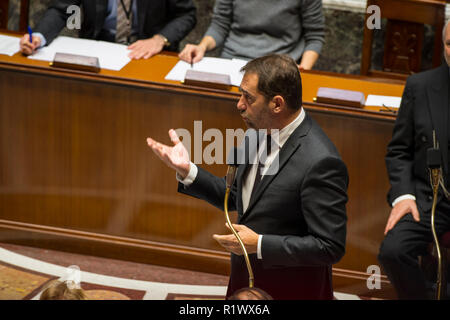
{"x":286,"y":132}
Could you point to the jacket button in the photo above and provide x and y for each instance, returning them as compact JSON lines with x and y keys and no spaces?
{"x":424,"y":138}
{"x":430,"y":198}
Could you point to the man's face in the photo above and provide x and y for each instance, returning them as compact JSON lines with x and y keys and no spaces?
{"x":252,"y":105}
{"x":447,"y":45}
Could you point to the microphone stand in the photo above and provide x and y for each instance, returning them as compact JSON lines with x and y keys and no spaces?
{"x":231,"y":174}
{"x":435,"y":177}
{"x":434,"y":165}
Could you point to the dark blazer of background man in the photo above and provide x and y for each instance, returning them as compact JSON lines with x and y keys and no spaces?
{"x":299,"y":211}
{"x":173,"y":19}
{"x":424,"y":109}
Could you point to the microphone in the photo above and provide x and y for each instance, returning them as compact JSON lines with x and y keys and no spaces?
{"x":434,"y":163}
{"x":232,"y":162}
{"x":238,"y":155}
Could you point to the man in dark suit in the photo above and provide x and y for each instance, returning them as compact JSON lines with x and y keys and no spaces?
{"x":424,"y":109}
{"x":293,"y":220}
{"x":156,"y":24}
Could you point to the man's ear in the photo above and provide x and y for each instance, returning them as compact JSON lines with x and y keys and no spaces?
{"x":278,"y":104}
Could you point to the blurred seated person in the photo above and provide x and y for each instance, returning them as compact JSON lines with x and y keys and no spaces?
{"x":63,"y":290}
{"x":149,"y":26}
{"x":248,"y":293}
{"x":255,"y":28}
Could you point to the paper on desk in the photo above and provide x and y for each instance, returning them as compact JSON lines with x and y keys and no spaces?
{"x":378,"y":101}
{"x":112,"y":56}
{"x":216,"y":65}
{"x":9,"y":45}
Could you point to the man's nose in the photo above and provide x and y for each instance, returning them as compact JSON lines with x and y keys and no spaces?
{"x":241,"y":104}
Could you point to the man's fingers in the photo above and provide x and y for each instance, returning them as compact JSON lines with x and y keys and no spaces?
{"x":225,"y":239}
{"x":229,"y":242}
{"x":174,"y":137}
{"x":149,"y":54}
{"x":133,"y":45}
{"x":36,"y":42}
{"x":237,"y":227}
{"x":157,"y":147}
{"x":393,"y":218}
{"x":388,"y":227}
{"x":197,"y":57}
{"x":27,"y":47}
{"x":137,"y":53}
{"x":415,"y":213}
{"x":187,"y":53}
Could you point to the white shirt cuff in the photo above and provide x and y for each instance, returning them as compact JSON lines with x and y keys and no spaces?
{"x":41,"y":36}
{"x":258,"y":251}
{"x":193,"y":170}
{"x":403,"y":197}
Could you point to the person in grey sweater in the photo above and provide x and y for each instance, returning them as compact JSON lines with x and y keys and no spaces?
{"x":248,"y":29}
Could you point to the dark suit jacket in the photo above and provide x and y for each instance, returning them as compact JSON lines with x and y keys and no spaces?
{"x":174,"y":19}
{"x":300,"y":211}
{"x":424,"y":107}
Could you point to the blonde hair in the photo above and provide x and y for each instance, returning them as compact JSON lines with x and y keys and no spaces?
{"x":61,"y":290}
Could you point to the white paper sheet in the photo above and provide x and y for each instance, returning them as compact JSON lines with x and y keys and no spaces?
{"x":378,"y":101}
{"x":208,"y":64}
{"x":111,"y":56}
{"x":9,"y":45}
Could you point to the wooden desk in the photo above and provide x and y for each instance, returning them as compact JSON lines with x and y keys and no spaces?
{"x":76,"y":173}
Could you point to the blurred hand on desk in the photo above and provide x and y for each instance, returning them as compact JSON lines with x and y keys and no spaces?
{"x":194,"y":53}
{"x":27,"y":47}
{"x":144,"y":49}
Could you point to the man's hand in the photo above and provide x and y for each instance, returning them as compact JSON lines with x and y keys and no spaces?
{"x":176,"y":157}
{"x":399,"y":210}
{"x":192,"y":53}
{"x":247,"y":235}
{"x":27,"y":47}
{"x":144,"y":49}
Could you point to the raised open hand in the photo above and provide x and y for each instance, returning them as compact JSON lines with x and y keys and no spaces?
{"x":176,"y":157}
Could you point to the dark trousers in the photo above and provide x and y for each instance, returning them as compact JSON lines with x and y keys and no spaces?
{"x":403,"y":244}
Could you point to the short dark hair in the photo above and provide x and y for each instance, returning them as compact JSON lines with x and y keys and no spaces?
{"x":278,"y":74}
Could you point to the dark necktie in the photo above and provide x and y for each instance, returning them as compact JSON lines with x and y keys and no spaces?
{"x":258,"y":176}
{"x":124,"y":16}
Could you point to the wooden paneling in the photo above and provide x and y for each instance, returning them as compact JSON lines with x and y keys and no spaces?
{"x":404,"y":36}
{"x":76,"y":173}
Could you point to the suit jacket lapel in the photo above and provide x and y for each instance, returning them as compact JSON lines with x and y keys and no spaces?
{"x":438,"y":104}
{"x":291,"y":145}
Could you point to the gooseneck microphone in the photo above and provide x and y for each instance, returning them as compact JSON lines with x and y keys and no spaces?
{"x":234,"y":159}
{"x":434,"y":167}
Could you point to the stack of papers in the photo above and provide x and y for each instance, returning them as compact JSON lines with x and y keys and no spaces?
{"x":111,"y":56}
{"x":215,"y":65}
{"x":380,"y":101}
{"x":9,"y":45}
